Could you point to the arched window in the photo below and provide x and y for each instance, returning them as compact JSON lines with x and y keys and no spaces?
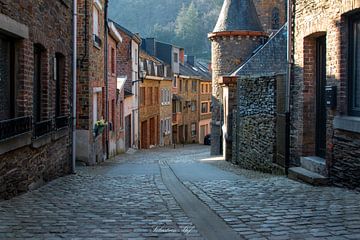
{"x":275,"y":18}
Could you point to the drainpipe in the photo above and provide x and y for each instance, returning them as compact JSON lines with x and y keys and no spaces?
{"x":74,"y":60}
{"x":288,"y":81}
{"x":106,"y":30}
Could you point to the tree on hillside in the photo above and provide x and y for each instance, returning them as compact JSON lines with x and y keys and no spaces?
{"x":189,"y":29}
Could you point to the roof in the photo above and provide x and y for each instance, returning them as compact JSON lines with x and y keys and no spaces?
{"x":197,"y":71}
{"x":134,"y":36}
{"x":128,"y":93}
{"x":238,"y":15}
{"x":270,"y":58}
{"x":143,"y":54}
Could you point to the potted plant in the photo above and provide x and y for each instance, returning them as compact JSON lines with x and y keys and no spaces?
{"x":99,"y":127}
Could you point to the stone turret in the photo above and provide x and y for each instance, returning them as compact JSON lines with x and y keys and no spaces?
{"x":237,"y":34}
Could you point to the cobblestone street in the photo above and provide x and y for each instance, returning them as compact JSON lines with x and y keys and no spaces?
{"x":131,"y":198}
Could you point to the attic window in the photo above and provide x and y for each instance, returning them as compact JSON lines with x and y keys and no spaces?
{"x":275,"y":18}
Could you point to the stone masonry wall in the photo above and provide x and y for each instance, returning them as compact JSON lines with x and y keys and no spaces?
{"x":256,"y":128}
{"x":46,"y":158}
{"x":227,"y":54}
{"x":313,"y":19}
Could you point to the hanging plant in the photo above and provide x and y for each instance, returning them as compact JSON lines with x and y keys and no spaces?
{"x":99,"y":127}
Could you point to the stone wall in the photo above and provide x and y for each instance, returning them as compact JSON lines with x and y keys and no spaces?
{"x":228,"y":52}
{"x":27,"y":162}
{"x":265,"y":10}
{"x":256,"y":125}
{"x":312,"y":20}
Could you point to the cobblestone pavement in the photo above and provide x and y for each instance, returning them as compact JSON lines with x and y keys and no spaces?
{"x":126,"y":198}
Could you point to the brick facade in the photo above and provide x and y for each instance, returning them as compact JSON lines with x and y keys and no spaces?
{"x":41,"y":152}
{"x":128,"y":67}
{"x":331,"y":20}
{"x":116,"y":100}
{"x":90,"y":82}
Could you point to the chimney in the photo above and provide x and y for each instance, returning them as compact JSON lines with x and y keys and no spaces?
{"x":182,"y":56}
{"x":150,"y":46}
{"x":191,"y":60}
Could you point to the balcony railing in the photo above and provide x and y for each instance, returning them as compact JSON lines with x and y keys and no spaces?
{"x":61,"y":122}
{"x":42,"y":128}
{"x":14,"y":127}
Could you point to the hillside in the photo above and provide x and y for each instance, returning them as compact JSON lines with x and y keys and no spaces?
{"x":183,"y":22}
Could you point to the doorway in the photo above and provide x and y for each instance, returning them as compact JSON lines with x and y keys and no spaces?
{"x":128,"y":132}
{"x":320,"y":133}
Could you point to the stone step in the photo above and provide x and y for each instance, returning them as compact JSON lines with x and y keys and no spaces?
{"x":304,"y":175}
{"x":314,"y":164}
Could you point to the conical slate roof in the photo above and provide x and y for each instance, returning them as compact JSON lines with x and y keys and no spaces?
{"x":238,"y":15}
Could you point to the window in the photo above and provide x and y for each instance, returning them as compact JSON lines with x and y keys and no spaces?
{"x":186,"y":86}
{"x":275,"y":18}
{"x":193,"y":106}
{"x":181,"y":85}
{"x":194,"y":86}
{"x":113,"y":60}
{"x":156,"y":95}
{"x":204,"y":107}
{"x":150,"y":96}
{"x":174,"y":81}
{"x":176,"y":57}
{"x":354,"y":66}
{"x":7,"y":78}
{"x":38,"y":82}
{"x":59,"y":74}
{"x":95,"y":21}
{"x":136,"y":57}
{"x":142,"y":96}
{"x":193,"y":129}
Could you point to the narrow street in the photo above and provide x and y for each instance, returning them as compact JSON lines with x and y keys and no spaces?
{"x":179,"y":194}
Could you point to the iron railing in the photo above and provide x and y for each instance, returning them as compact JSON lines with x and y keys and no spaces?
{"x":15,"y":126}
{"x":61,"y":122}
{"x":42,"y":128}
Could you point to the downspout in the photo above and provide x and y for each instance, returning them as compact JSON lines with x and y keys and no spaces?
{"x":74,"y":60}
{"x":288,"y":81}
{"x":106,"y":30}
{"x":138,"y":96}
{"x":85,"y":33}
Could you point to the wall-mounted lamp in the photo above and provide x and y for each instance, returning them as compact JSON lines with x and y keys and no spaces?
{"x":142,"y":76}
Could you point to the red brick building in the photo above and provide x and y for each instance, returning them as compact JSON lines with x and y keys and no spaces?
{"x":128,"y":72}
{"x":116,"y":130}
{"x":35,"y":70}
{"x":91,"y":144}
{"x":325,"y":92}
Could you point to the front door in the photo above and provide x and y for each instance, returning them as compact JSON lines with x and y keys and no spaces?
{"x":128,"y":132}
{"x":320,"y":145}
{"x":144,"y":135}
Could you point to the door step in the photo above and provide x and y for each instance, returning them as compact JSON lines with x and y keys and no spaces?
{"x":314,"y":164}
{"x":304,"y":175}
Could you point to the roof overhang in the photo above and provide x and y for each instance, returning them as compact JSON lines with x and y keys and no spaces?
{"x":237,"y":34}
{"x":114,"y":32}
{"x":228,"y":80}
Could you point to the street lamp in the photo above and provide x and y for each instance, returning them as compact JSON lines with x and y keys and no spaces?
{"x":142,"y":76}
